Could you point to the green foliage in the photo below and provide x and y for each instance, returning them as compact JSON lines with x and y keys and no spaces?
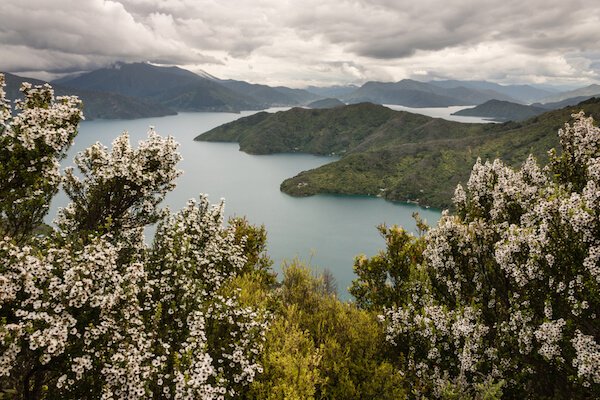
{"x":253,"y":240}
{"x":290,"y":364}
{"x":386,"y":279}
{"x":483,"y":391}
{"x":329,"y":349}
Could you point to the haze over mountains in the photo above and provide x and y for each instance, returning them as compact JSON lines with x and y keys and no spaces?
{"x":412,"y":93}
{"x":137,"y":90}
{"x":588,"y":91}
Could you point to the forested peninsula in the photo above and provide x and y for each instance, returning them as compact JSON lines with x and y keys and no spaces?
{"x":396,"y":155}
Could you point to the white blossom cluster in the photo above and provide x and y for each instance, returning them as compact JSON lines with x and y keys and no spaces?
{"x":4,"y":105}
{"x":209,"y":344}
{"x":122,"y":186}
{"x":157,"y":324}
{"x":440,"y":344}
{"x":31,"y":145}
{"x":74,"y":310}
{"x":42,"y":120}
{"x":91,"y":310}
{"x":522,"y":257}
{"x":588,"y":357}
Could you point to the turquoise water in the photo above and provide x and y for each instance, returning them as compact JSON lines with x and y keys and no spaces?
{"x":327,"y":231}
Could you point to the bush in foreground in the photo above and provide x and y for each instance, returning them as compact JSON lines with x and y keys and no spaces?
{"x":505,"y":296}
{"x":90,"y":310}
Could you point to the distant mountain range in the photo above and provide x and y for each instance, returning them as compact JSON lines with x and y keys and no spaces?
{"x":502,"y":111}
{"x":173,"y":87}
{"x":335,"y":91}
{"x":144,"y":90}
{"x":393,"y":154}
{"x":588,"y":91}
{"x":268,"y":96}
{"x":410,"y":93}
{"x":563,"y":103}
{"x":182,"y":90}
{"x":520,"y":93}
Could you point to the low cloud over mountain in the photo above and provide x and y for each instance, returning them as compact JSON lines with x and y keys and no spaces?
{"x":311,"y":42}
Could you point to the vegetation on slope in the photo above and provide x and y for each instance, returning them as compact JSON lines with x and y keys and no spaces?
{"x":498,"y":110}
{"x":503,"y":294}
{"x":393,"y":154}
{"x":323,"y":131}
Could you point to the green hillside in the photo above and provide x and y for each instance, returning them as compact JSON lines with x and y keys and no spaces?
{"x":393,"y":154}
{"x":502,"y":111}
{"x":323,"y":131}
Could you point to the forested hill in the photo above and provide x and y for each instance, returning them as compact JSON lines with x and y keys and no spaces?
{"x":502,"y":111}
{"x":316,"y":131}
{"x":394,"y":154}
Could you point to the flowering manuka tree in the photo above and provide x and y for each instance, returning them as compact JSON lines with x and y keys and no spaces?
{"x":88,"y":310}
{"x":31,"y":146}
{"x":507,"y":296}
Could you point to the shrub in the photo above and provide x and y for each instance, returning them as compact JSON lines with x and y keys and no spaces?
{"x":506,"y":298}
{"x":89,"y":310}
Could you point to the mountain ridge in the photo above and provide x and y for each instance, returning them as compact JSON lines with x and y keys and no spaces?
{"x":520,"y":93}
{"x":173,"y":87}
{"x":590,"y":91}
{"x":96,"y":105}
{"x":411,"y":93}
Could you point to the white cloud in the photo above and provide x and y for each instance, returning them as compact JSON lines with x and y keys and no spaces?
{"x":313,"y":41}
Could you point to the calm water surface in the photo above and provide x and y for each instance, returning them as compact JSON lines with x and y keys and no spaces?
{"x":327,"y":231}
{"x":442,"y":112}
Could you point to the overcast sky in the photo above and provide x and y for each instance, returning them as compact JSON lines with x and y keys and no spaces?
{"x":318,"y":42}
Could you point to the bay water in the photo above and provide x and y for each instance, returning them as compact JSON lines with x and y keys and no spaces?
{"x":324,"y":231}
